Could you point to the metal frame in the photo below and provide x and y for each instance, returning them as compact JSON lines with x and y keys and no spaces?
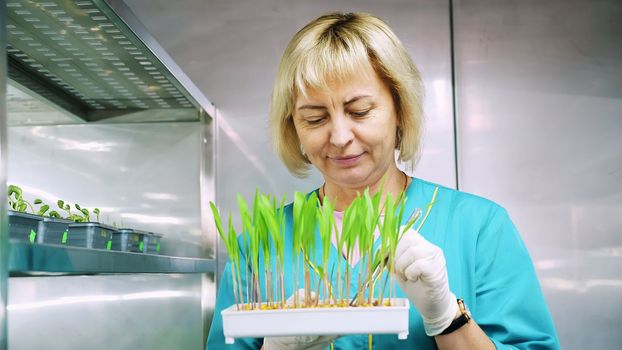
{"x":26,"y":258}
{"x":207,"y":185}
{"x":4,"y":233}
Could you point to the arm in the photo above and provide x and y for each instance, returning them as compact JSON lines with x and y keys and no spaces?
{"x":470,"y":336}
{"x":422,"y":274}
{"x":509,"y":305}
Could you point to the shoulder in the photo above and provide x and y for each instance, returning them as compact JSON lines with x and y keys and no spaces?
{"x":455,"y":213}
{"x":454,"y":200}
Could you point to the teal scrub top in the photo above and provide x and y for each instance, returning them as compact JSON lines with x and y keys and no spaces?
{"x":487,"y":263}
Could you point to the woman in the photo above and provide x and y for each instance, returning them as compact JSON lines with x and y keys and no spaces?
{"x":347,"y":99}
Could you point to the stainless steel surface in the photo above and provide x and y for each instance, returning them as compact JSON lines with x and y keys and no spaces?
{"x":29,"y":108}
{"x":539,"y":101}
{"x":4,"y":232}
{"x":141,"y":176}
{"x":208,"y":302}
{"x":207,"y":182}
{"x":196,"y":96}
{"x":106,"y":312}
{"x":25,"y":258}
{"x":96,"y":62}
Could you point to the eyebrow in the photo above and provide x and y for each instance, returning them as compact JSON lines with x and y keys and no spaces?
{"x":350,"y":101}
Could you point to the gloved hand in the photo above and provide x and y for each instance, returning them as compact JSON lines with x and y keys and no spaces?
{"x":306,"y":342}
{"x":422,"y":275}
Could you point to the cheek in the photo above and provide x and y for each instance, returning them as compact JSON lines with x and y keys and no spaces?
{"x":310,"y":142}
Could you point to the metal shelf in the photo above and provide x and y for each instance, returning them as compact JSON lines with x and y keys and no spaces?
{"x":94,"y":61}
{"x":42,"y":258}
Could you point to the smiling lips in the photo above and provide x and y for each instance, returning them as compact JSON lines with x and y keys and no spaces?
{"x":346,"y":161}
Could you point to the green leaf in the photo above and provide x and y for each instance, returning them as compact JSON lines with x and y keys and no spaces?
{"x":14,"y":190}
{"x":61,"y":204}
{"x":44,"y":208}
{"x":38,"y":201}
{"x":218,"y":222}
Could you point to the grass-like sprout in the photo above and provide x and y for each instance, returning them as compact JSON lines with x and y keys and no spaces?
{"x":251,"y":244}
{"x":349,"y":229}
{"x":303,"y":242}
{"x":231,"y":243}
{"x":262,"y":249}
{"x":264,"y":241}
{"x":309,"y":223}
{"x":274,"y":220}
{"x":326,"y":223}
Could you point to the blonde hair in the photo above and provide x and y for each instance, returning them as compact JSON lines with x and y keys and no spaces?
{"x":337,"y":46}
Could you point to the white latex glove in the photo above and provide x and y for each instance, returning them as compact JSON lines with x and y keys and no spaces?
{"x":422,"y":274}
{"x":306,"y":342}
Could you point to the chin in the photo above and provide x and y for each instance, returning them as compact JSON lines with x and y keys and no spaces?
{"x":354,"y":178}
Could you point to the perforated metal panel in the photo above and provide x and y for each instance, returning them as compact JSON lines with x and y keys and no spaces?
{"x":81,"y":56}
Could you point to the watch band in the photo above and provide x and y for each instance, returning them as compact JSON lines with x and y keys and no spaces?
{"x":460,"y":321}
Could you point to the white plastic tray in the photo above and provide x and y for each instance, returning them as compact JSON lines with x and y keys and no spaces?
{"x":316,"y":321}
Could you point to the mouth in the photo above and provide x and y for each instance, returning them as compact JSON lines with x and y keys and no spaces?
{"x":347,"y":160}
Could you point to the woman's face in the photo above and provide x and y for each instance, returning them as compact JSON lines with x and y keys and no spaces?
{"x":348,"y":130}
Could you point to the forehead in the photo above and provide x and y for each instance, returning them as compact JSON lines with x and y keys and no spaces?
{"x":342,"y":90}
{"x":329,"y":79}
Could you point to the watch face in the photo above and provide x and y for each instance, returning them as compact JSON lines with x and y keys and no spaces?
{"x":463,"y":308}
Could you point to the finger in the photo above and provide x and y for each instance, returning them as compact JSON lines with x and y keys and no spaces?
{"x":407,"y":257}
{"x":410,"y":239}
{"x":429,"y":269}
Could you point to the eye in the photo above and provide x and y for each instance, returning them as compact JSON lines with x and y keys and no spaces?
{"x":315,"y":120}
{"x":360,"y":114}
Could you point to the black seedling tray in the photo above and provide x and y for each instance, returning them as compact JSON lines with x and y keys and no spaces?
{"x":152,"y":243}
{"x":90,"y":235}
{"x":128,"y":240}
{"x":53,"y":230}
{"x":23,"y":226}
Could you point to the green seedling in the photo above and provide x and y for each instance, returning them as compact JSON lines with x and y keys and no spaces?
{"x":272,"y":218}
{"x":231,"y":243}
{"x":326,"y":224}
{"x":261,"y":249}
{"x":43,"y":209}
{"x":16,"y":201}
{"x":252,"y":245}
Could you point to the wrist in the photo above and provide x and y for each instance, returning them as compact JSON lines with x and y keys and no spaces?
{"x":464,"y":316}
{"x":435,"y":326}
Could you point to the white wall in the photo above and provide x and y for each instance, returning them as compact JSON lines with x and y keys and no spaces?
{"x":540,"y":117}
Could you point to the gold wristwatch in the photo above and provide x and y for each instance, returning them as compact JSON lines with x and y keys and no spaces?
{"x":463,"y":319}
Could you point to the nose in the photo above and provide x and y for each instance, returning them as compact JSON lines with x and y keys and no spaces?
{"x":341,"y":133}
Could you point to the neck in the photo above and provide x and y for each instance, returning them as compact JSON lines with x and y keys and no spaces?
{"x":393,"y":182}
